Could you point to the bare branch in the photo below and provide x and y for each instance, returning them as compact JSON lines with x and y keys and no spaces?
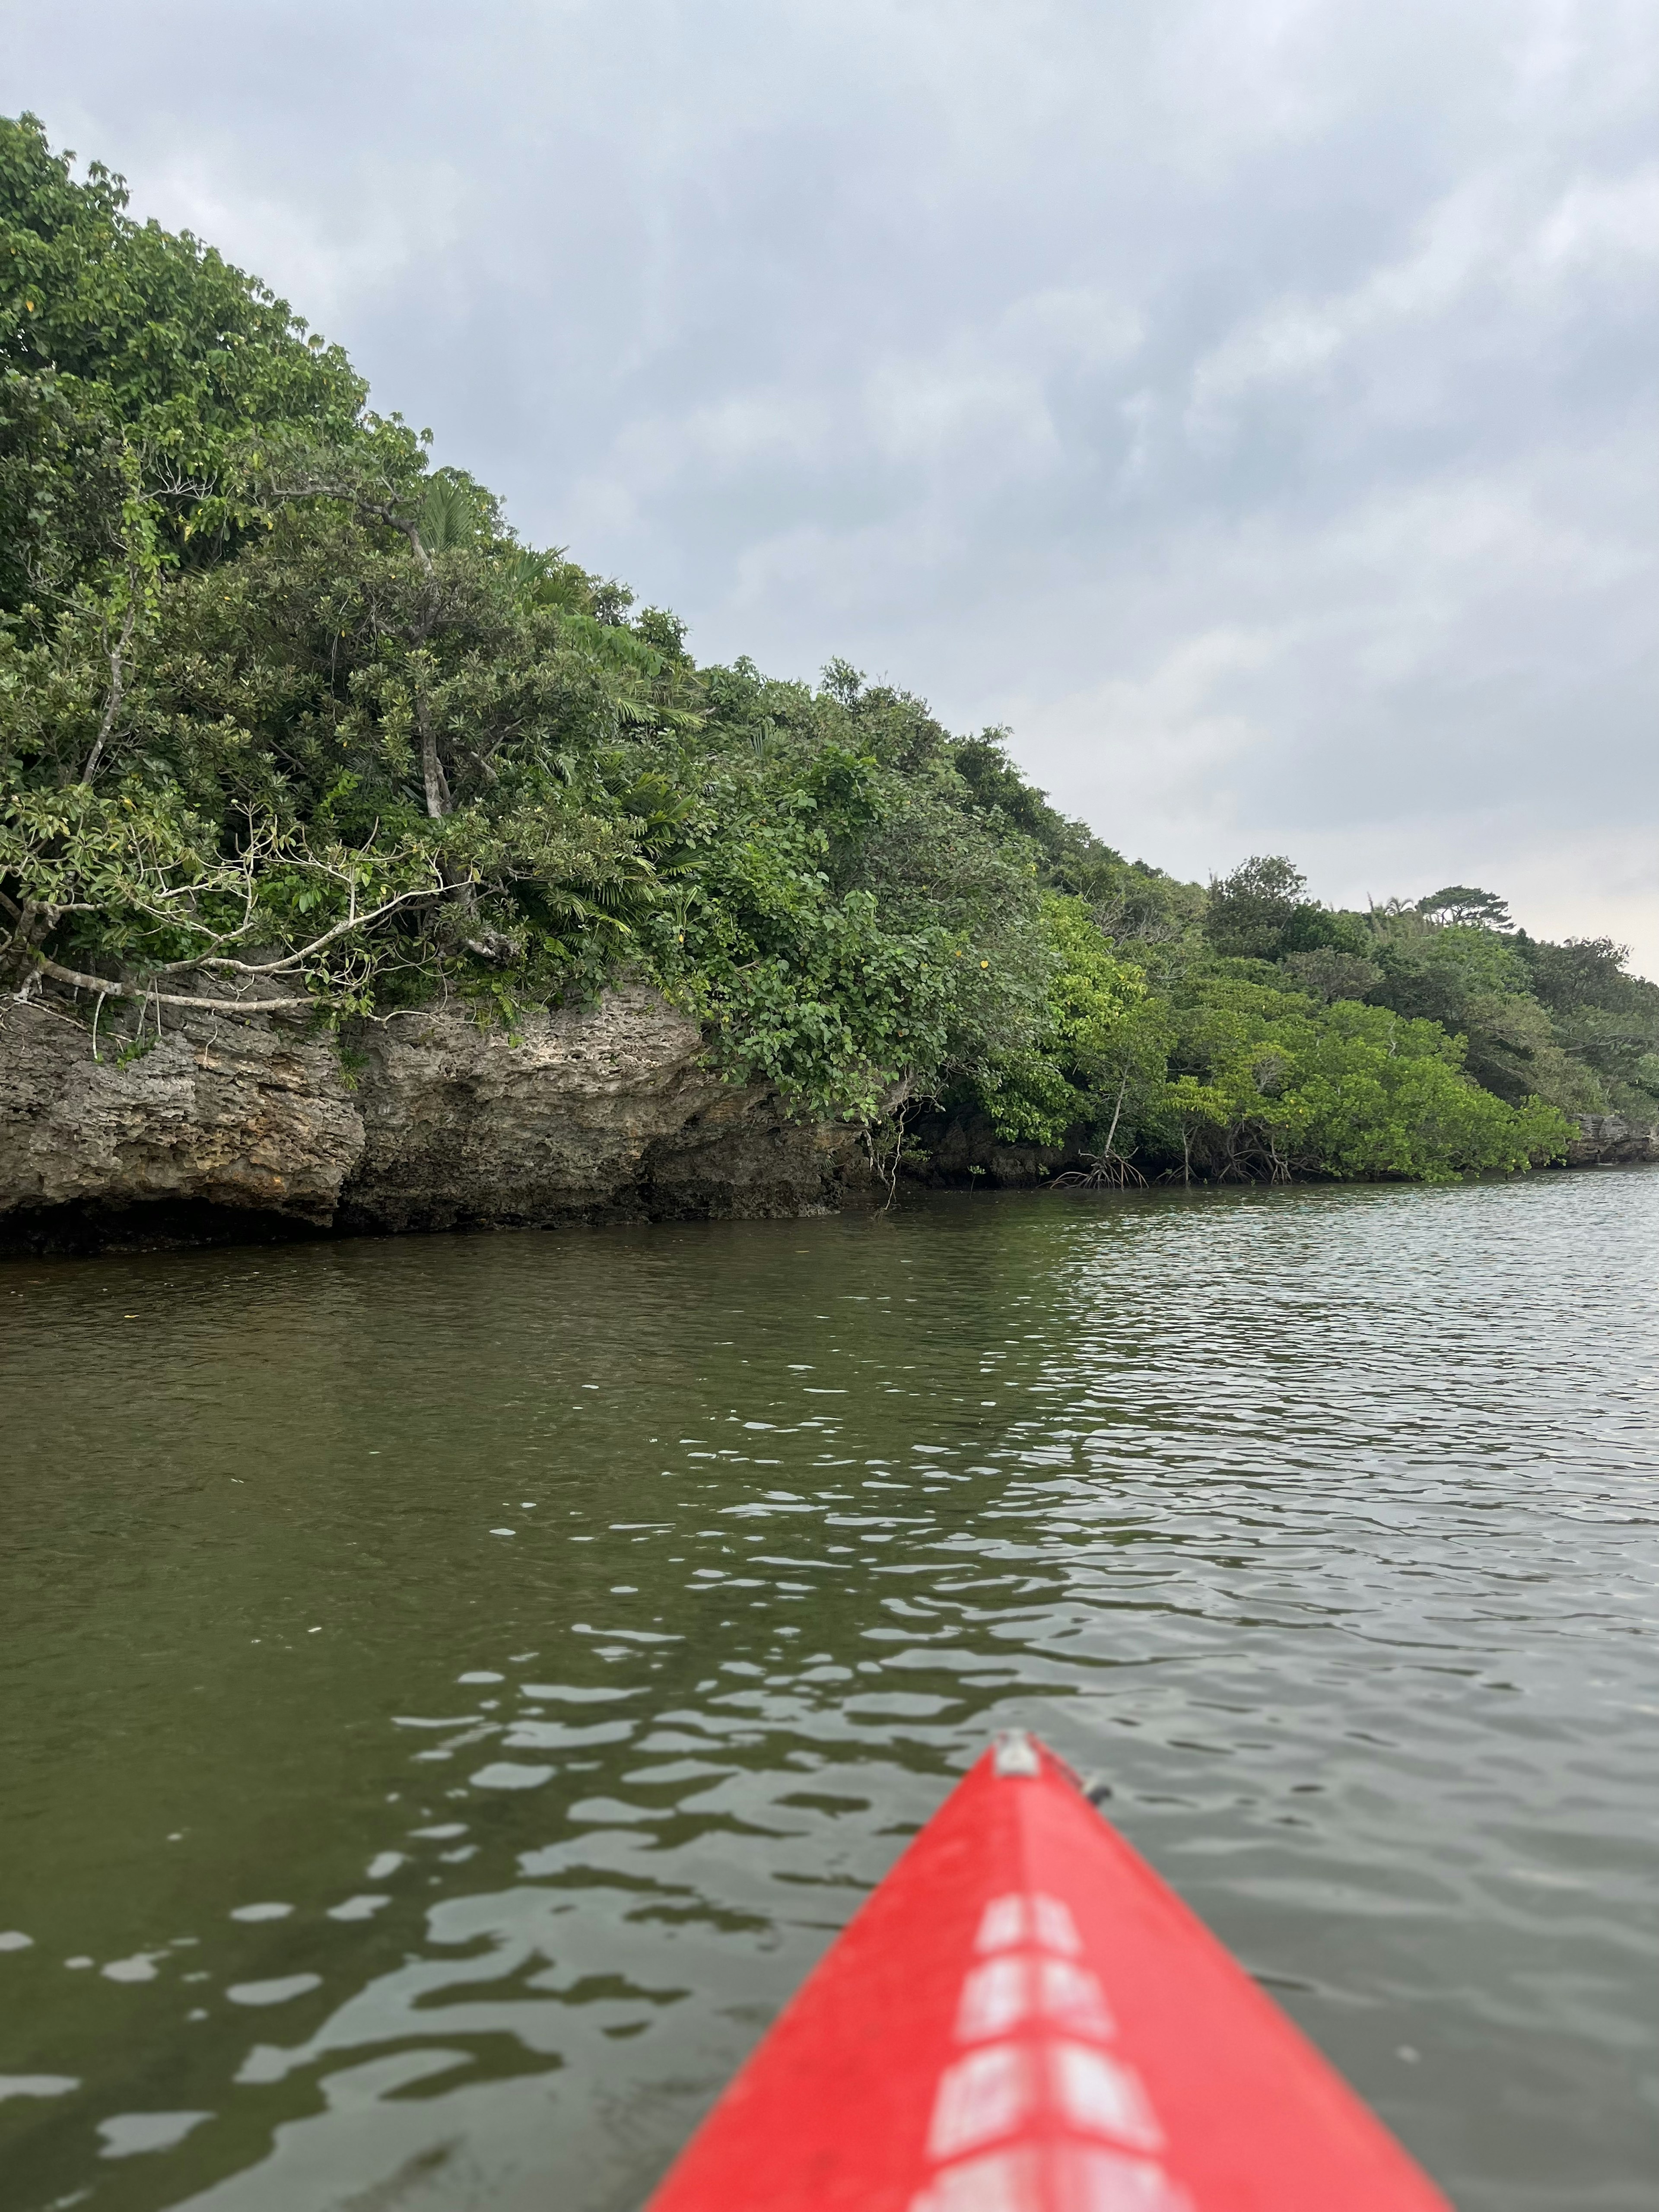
{"x":438,"y":801}
{"x":353,"y":495}
{"x":307,"y":952}
{"x":117,"y":690}
{"x":107,"y":989}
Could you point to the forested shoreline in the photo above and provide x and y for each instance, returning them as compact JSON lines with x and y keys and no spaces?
{"x":287,"y":713}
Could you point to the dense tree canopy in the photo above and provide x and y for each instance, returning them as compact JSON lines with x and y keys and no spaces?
{"x":287,"y":713}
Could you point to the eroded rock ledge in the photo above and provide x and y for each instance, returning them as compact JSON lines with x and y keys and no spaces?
{"x":229,"y":1128}
{"x":1610,"y":1140}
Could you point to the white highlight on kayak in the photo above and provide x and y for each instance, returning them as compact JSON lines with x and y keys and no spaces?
{"x":1045,"y":1921}
{"x":1079,"y":2178}
{"x":995,"y":2089}
{"x":1035,"y":2020}
{"x":1004,"y":1992}
{"x":982,"y":2096}
{"x":1098,"y":2094}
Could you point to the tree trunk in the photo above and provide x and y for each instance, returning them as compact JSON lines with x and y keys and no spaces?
{"x":438,"y":799}
{"x":116,"y":693}
{"x":1106,"y":1153}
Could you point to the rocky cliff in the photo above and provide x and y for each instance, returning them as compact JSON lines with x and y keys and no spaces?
{"x":1610,"y":1140}
{"x":226,"y":1127}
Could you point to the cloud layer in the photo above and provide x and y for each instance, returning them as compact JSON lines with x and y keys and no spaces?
{"x":1250,"y":402}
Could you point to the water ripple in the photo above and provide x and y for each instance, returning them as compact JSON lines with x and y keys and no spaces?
{"x":1320,"y":1526}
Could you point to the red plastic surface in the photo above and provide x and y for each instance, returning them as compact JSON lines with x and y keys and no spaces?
{"x":1022,"y":2018}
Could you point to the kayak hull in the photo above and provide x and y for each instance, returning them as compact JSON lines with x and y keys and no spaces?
{"x":1022,"y":2018}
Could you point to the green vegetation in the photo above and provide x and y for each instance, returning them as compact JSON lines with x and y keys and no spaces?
{"x":285,"y":711}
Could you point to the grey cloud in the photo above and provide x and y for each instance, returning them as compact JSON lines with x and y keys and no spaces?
{"x":1251,"y":401}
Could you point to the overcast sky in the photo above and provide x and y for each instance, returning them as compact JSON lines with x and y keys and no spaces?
{"x":1251,"y":403}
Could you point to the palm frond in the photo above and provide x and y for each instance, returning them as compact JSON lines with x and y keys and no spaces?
{"x":449,"y":516}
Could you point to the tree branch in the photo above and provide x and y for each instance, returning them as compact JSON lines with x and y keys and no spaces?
{"x":116,"y":690}
{"x":438,"y":801}
{"x":106,"y":989}
{"x":353,"y":921}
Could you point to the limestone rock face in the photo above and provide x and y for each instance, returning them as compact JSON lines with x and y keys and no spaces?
{"x":596,"y":1113}
{"x":238,"y":1115}
{"x":1609,"y":1140}
{"x":229,"y":1128}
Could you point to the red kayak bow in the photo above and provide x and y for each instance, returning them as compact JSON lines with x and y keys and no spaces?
{"x":1022,"y":2018}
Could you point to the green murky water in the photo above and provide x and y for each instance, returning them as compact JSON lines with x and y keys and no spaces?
{"x":451,"y":1689}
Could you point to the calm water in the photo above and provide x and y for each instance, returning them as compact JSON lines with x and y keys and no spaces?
{"x":450,"y":1690}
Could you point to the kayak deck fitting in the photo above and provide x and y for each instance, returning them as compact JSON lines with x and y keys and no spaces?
{"x":1022,"y":2018}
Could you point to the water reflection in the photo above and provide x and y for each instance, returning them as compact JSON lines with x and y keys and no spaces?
{"x":453,"y":1688}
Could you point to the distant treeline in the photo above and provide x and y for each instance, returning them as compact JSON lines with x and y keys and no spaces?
{"x":286,"y":711}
